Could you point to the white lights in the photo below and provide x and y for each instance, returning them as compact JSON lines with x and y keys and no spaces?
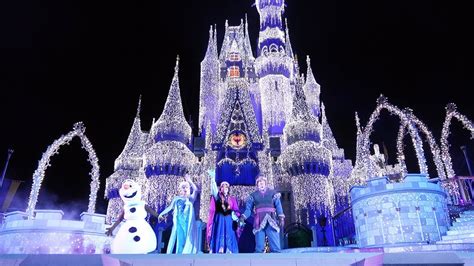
{"x":451,"y":111}
{"x":237,"y":93}
{"x":209,"y":96}
{"x":308,"y":163}
{"x":44,"y":163}
{"x":169,"y":158}
{"x":311,"y":88}
{"x":172,"y":120}
{"x":409,"y":120}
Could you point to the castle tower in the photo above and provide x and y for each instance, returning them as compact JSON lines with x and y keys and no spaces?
{"x":232,"y":148}
{"x":306,"y":161}
{"x":312,"y":90}
{"x":250,"y":59}
{"x":169,"y":158}
{"x":235,"y":57}
{"x":288,"y":48}
{"x":328,"y":139}
{"x":128,"y":165}
{"x":209,"y":89}
{"x":342,"y":167}
{"x":274,"y":67}
{"x":359,"y":171}
{"x":237,"y":141}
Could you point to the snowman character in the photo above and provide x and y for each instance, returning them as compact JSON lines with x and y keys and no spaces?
{"x":135,"y":235}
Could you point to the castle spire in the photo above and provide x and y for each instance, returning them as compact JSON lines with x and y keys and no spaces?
{"x":225,"y":42}
{"x":211,"y":52}
{"x":210,"y":44}
{"x":139,"y":107}
{"x":323,"y":119}
{"x":312,"y":89}
{"x":209,"y":84}
{"x":302,"y":124}
{"x":296,"y":70}
{"x":359,"y":130}
{"x":326,"y":133}
{"x":359,"y":137}
{"x":131,"y":156}
{"x":247,"y":45}
{"x":300,"y":109}
{"x":172,"y":124}
{"x":215,"y":41}
{"x":288,"y":49}
{"x":176,"y":67}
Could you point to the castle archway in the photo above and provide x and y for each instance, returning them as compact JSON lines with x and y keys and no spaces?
{"x":44,"y":163}
{"x":451,"y":111}
{"x":413,"y":124}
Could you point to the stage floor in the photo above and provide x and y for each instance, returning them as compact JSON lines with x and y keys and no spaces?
{"x":273,"y":259}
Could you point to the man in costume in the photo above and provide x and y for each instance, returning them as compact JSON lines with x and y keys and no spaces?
{"x":267,"y":210}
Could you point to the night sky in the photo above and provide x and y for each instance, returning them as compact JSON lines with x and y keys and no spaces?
{"x":68,"y":61}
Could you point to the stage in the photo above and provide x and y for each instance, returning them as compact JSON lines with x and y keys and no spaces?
{"x":272,"y":259}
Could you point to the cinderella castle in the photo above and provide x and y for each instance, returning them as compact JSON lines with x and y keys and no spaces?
{"x":258,"y":114}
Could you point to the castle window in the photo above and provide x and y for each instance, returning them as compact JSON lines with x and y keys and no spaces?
{"x":234,"y":57}
{"x":234,"y":72}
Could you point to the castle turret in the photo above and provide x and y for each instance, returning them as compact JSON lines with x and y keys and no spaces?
{"x":247,"y":46}
{"x":172,"y":124}
{"x":306,"y":161}
{"x":209,"y":89}
{"x":328,"y":137}
{"x":271,"y":35}
{"x":302,"y":125}
{"x":128,"y":165}
{"x":342,"y":167}
{"x":312,"y":90}
{"x":234,"y":52}
{"x":359,"y":136}
{"x":274,"y":67}
{"x":359,"y":171}
{"x":131,"y":157}
{"x":237,"y":139}
{"x":169,"y":158}
{"x":289,"y":49}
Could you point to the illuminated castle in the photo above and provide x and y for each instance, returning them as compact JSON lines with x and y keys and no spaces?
{"x":258,"y":115}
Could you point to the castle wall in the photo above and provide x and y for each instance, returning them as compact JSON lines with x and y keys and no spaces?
{"x":49,"y":234}
{"x":414,"y":211}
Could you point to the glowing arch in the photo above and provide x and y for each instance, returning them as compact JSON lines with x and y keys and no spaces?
{"x":410,"y":121}
{"x":435,"y":150}
{"x":400,"y":153}
{"x":451,"y":111}
{"x":44,"y":163}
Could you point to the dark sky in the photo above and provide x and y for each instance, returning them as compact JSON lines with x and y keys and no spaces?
{"x":67,"y":61}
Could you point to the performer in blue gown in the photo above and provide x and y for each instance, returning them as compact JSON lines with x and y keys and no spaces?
{"x":222,"y":227}
{"x":184,"y":234}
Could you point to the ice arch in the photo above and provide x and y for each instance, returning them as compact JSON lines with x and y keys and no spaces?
{"x":44,"y":163}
